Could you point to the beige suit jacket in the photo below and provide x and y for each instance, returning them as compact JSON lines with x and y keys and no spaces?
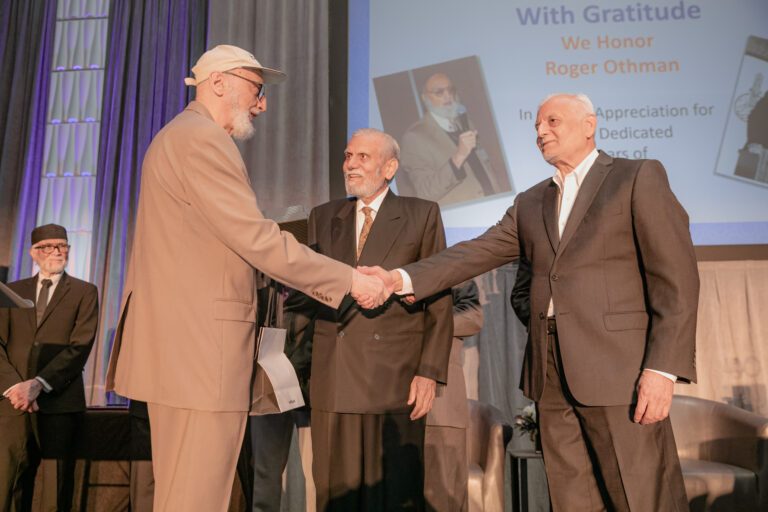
{"x":623,"y":279}
{"x":187,"y":328}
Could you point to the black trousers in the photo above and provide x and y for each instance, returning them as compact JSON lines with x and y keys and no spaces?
{"x":368,"y":462}
{"x":21,"y":452}
{"x":271,"y":443}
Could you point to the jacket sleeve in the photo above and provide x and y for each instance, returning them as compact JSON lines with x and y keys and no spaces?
{"x":670,"y":271}
{"x":438,"y":317}
{"x":8,"y":374}
{"x":218,"y":188}
{"x":497,"y":246}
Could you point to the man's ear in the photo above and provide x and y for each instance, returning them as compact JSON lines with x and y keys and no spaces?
{"x":590,"y":125}
{"x":390,"y":168}
{"x":217,"y":85}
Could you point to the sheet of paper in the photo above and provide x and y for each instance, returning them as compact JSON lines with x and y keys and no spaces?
{"x":271,"y":357}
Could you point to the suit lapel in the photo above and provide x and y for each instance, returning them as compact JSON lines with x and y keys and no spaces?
{"x":29,"y":291}
{"x":549,"y":211}
{"x":343,"y":243}
{"x":587,"y":192}
{"x":385,"y":230}
{"x":61,"y":290}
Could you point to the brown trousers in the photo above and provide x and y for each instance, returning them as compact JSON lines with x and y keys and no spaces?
{"x":367,"y":462}
{"x":597,"y":458}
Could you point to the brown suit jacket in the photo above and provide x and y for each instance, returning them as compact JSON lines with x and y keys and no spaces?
{"x":364,"y":361}
{"x":56,"y":350}
{"x":623,"y":278}
{"x":187,"y":331}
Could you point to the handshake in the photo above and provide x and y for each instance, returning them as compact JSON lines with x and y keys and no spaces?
{"x":372,"y":286}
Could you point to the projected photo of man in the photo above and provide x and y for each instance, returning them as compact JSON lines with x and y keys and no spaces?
{"x":442,"y":117}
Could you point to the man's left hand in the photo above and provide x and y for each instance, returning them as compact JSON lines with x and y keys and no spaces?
{"x":23,"y":395}
{"x":654,"y":397}
{"x":422,"y":394}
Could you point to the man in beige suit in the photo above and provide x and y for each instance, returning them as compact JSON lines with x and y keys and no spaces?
{"x":613,"y":296}
{"x":185,"y":341}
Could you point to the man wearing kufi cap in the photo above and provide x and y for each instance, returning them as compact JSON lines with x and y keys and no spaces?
{"x":42,"y":354}
{"x":185,"y":341}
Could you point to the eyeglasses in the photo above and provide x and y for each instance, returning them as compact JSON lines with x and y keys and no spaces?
{"x":451,"y":90}
{"x":260,"y":90}
{"x":49,"y":248}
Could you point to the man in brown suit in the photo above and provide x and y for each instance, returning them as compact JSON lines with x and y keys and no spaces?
{"x":42,"y":355}
{"x":185,"y":341}
{"x":374,"y":373}
{"x":613,"y":299}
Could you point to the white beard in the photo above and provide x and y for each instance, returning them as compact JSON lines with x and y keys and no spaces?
{"x":367,"y":188}
{"x":242,"y":127}
{"x":449,"y":112}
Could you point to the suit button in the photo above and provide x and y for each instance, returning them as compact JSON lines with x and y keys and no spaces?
{"x":555,"y":277}
{"x":376,"y":337}
{"x":541,"y":316}
{"x":341,"y":334}
{"x":36,"y":344}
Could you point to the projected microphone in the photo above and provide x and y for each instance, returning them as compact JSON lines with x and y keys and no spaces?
{"x":461,"y":119}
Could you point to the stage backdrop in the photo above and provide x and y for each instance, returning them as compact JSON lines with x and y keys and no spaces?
{"x":682,"y":81}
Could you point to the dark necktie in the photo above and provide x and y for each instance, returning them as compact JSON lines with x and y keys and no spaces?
{"x":42,"y":299}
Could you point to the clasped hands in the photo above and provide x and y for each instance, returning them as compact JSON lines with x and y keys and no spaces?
{"x":23,"y":395}
{"x":372,"y":286}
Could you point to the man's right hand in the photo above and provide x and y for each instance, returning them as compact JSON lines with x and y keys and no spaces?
{"x":467,"y":142}
{"x":370,"y":291}
{"x":391,"y":279}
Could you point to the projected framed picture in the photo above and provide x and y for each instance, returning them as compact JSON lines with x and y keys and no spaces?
{"x":442,"y":117}
{"x":744,"y":148}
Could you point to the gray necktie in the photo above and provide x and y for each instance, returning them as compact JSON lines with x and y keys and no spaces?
{"x":42,"y":299}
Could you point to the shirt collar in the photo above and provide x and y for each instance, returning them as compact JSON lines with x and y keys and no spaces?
{"x":580,"y":172}
{"x":375,"y":204}
{"x":443,"y":122}
{"x":55,"y":278}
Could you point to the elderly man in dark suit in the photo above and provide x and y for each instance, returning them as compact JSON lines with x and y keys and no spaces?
{"x":42,"y":354}
{"x":374,"y":373}
{"x":613,"y":297}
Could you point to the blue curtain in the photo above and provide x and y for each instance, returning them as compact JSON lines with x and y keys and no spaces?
{"x":151,"y":47}
{"x":26,"y":55}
